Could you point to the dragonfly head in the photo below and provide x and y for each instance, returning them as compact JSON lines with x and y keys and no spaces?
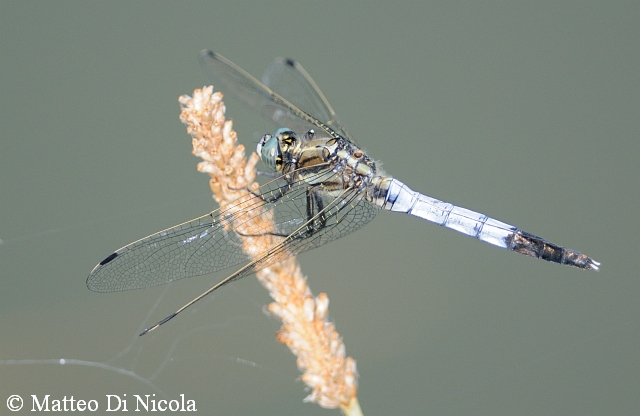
{"x":269,"y":148}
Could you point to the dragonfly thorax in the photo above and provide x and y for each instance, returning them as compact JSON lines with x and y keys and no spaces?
{"x":288,"y":152}
{"x":334,"y":162}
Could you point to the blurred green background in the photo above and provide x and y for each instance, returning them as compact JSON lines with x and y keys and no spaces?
{"x":525,"y":111}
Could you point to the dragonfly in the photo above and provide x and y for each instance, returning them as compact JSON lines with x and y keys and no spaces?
{"x":325,"y":187}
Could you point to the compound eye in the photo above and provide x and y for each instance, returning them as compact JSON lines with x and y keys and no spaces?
{"x":283,"y":131}
{"x":269,"y":151}
{"x":286,"y":136}
{"x":261,"y":144}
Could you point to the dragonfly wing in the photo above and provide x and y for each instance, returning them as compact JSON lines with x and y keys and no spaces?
{"x":338,"y":217}
{"x":200,"y":246}
{"x":326,"y":215}
{"x":290,"y":80}
{"x":258,"y":96}
{"x":276,"y":227}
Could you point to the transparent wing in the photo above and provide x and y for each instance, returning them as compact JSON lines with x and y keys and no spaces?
{"x":341,"y":216}
{"x":289,"y":79}
{"x":257,"y":95}
{"x":214,"y":241}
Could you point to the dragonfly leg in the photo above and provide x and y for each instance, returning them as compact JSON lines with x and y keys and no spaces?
{"x":269,"y":196}
{"x":269,"y":174}
{"x":313,"y":223}
{"x":312,"y":197}
{"x":283,"y":235}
